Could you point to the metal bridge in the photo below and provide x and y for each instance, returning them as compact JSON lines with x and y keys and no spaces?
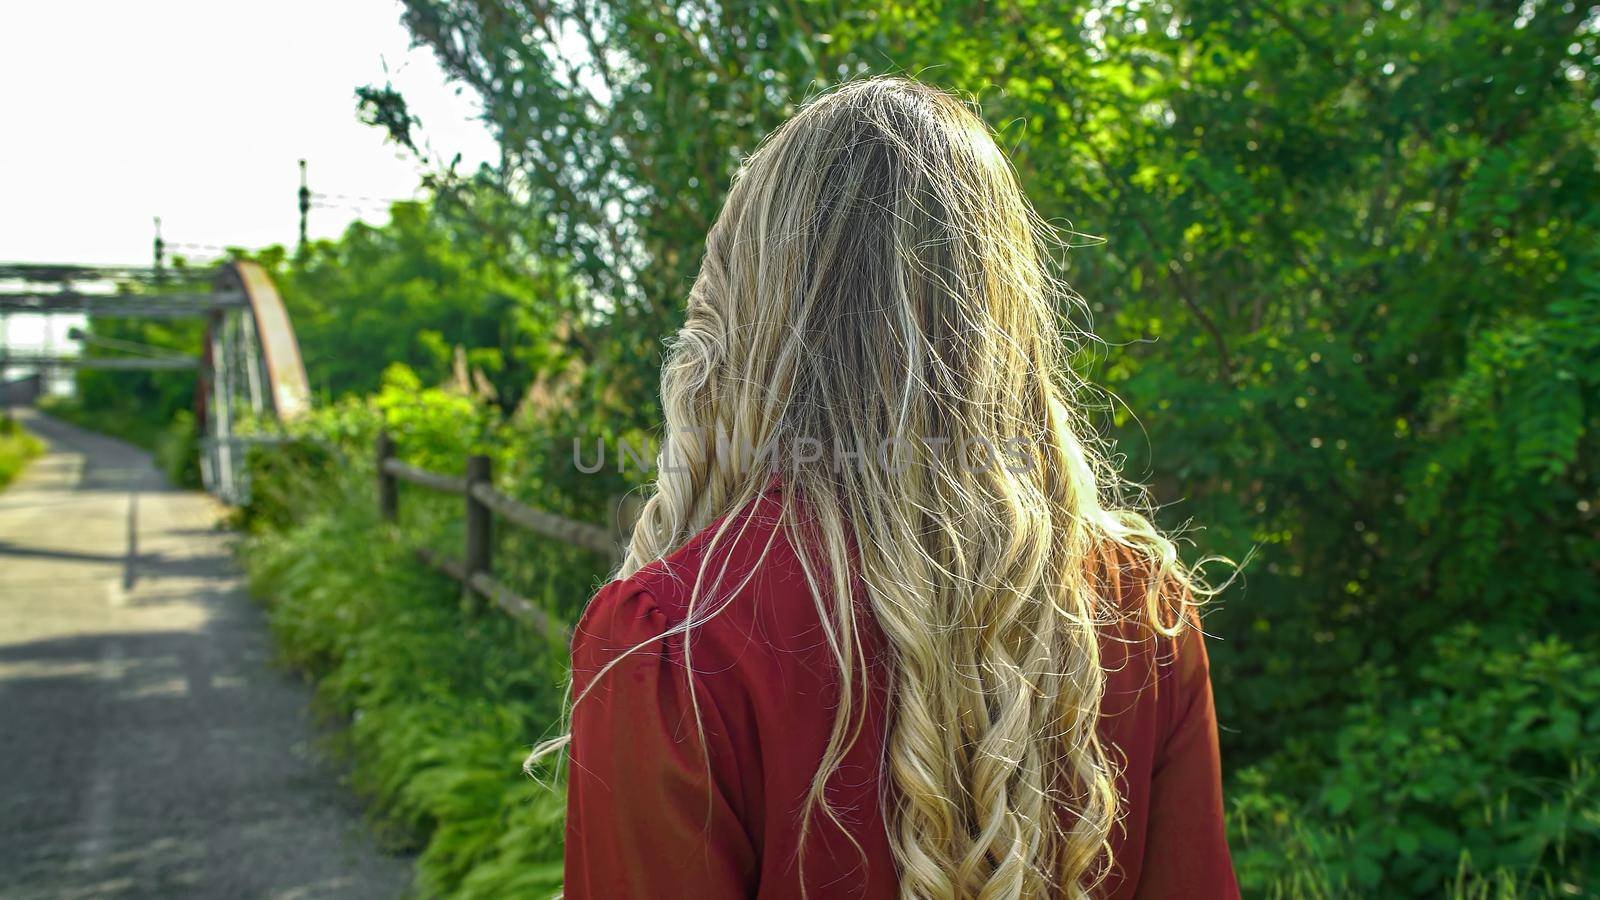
{"x":250,"y":377}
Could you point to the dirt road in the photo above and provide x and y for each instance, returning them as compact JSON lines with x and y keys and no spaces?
{"x":147,"y":747}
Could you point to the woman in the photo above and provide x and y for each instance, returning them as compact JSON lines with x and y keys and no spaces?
{"x":884,"y":629}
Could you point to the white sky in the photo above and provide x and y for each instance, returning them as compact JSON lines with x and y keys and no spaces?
{"x":112,"y":113}
{"x":196,"y":111}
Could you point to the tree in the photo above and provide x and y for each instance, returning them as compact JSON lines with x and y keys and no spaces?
{"x":438,"y":276}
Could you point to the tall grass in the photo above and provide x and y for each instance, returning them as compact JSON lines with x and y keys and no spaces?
{"x":17,"y":447}
{"x":442,"y":700}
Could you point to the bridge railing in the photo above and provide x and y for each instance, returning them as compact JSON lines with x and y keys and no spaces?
{"x":483,"y":504}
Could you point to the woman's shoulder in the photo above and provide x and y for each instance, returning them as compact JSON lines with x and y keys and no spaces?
{"x":721,"y":562}
{"x":1135,"y":587}
{"x":1152,"y":645}
{"x":734,"y":575}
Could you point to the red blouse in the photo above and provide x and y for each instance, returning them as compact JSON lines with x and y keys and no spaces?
{"x":648,"y":818}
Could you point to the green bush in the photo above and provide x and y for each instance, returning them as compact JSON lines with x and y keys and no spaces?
{"x":17,"y":447}
{"x":441,"y":706}
{"x":177,"y":450}
{"x":1483,"y":781}
{"x":443,"y":698}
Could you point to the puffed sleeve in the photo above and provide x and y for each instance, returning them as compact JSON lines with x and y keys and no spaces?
{"x":652,"y":808}
{"x":1186,"y":848}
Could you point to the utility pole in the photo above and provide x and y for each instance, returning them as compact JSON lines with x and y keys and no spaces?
{"x":305,"y":205}
{"x":160,"y":250}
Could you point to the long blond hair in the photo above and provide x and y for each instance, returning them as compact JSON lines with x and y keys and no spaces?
{"x":876,"y":306}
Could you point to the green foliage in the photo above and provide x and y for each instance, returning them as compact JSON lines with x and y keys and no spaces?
{"x":137,"y":405}
{"x":286,"y":478}
{"x":443,"y":697}
{"x":17,"y":447}
{"x":442,"y":703}
{"x":621,"y":124}
{"x":1487,"y":769}
{"x":458,"y":271}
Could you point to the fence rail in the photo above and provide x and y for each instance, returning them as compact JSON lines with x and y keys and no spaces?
{"x":449,"y":484}
{"x":474,"y":570}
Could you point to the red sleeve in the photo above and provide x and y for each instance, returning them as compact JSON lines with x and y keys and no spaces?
{"x":645,"y":817}
{"x":1186,"y":847}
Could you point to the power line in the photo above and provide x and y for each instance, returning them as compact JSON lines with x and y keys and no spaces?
{"x":369,"y":207}
{"x":319,"y":195}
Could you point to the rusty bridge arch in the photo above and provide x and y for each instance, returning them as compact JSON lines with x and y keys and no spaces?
{"x":251,"y":375}
{"x":251,"y":379}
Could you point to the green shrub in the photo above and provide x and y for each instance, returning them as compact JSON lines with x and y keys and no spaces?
{"x":177,"y":450}
{"x":441,"y":706}
{"x":17,"y":447}
{"x":442,"y":698}
{"x":1484,"y":782}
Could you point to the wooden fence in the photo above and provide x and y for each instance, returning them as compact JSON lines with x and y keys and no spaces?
{"x":483,"y":504}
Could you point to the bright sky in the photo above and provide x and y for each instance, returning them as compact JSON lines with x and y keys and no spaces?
{"x":196,"y":111}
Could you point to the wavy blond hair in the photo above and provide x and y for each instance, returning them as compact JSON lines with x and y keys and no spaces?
{"x":877,"y":281}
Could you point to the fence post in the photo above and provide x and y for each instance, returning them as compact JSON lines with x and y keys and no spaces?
{"x":388,"y":491}
{"x":480,"y":521}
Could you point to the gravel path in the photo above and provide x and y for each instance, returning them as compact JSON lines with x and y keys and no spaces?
{"x":147,"y":747}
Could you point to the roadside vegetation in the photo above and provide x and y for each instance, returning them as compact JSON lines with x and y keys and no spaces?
{"x":17,"y":449}
{"x":443,"y":696}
